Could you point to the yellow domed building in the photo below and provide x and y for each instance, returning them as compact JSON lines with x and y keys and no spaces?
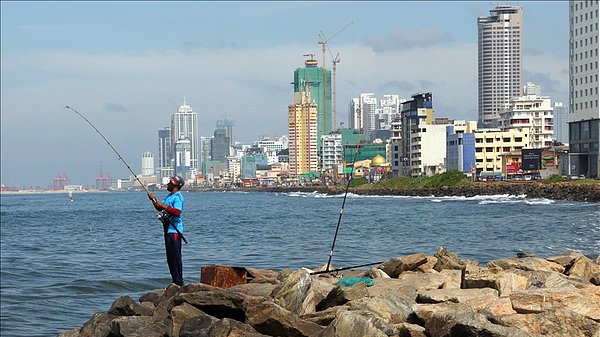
{"x":379,"y":168}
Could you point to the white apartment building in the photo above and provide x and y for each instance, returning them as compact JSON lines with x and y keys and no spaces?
{"x":184,"y":125}
{"x":428,"y":150}
{"x":332,"y":151}
{"x":584,"y":119}
{"x":147,"y":163}
{"x":531,"y":114}
{"x":500,"y":62}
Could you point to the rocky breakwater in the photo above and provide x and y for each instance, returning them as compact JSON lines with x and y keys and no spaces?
{"x":556,"y":191}
{"x":414,"y":295}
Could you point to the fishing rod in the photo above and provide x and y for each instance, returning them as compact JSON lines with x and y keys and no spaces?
{"x":342,"y":209}
{"x":160,"y":217}
{"x":345,"y":268}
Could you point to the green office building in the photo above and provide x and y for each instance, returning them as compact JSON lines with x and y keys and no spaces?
{"x":311,"y":76}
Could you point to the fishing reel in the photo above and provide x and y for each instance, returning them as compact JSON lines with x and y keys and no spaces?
{"x":164,"y":217}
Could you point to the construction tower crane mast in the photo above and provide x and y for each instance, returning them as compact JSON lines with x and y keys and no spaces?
{"x":323,"y":40}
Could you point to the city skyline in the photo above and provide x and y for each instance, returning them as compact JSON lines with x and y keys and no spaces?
{"x":130,"y":73}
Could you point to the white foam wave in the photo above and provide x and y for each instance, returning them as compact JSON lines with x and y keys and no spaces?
{"x":480,"y":199}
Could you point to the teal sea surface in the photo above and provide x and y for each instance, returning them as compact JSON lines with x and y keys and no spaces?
{"x":62,"y":261}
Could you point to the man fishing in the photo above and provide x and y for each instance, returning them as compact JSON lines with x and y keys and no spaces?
{"x":172,"y":204}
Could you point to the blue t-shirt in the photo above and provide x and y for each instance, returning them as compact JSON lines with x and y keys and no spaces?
{"x":175,"y":200}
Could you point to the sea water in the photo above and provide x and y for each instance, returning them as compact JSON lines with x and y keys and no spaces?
{"x":62,"y":261}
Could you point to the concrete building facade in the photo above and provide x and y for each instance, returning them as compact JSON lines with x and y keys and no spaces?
{"x":584,"y":113}
{"x":302,"y":131}
{"x":531,"y":114}
{"x":500,"y":62}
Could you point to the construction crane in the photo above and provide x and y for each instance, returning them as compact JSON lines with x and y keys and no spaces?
{"x":334,"y":60}
{"x":323,"y":40}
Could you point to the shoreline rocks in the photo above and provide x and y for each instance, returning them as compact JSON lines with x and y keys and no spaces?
{"x":410,"y":296}
{"x":555,"y":191}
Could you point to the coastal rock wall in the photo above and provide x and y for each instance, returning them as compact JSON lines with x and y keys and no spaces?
{"x":415,"y":295}
{"x":555,"y":191}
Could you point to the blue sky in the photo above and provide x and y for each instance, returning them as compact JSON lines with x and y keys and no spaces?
{"x":127,"y":66}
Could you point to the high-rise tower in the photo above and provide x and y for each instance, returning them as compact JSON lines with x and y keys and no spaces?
{"x":319,"y":82}
{"x":302,"y":130}
{"x":184,"y":126}
{"x":584,"y":118}
{"x":500,"y":61}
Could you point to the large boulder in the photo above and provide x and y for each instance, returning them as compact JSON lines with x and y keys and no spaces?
{"x":125,"y":306}
{"x":295,"y":294}
{"x":395,"y":266}
{"x":480,"y":299}
{"x":527,"y":263}
{"x":468,"y":324}
{"x":98,"y":325}
{"x":138,"y":326}
{"x":341,"y":295}
{"x":582,"y":301}
{"x":581,"y":269}
{"x":448,"y":260}
{"x":197,"y":326}
{"x":351,"y":324}
{"x":181,"y":313}
{"x":269,"y":318}
{"x":388,"y":306}
{"x":216,"y":302}
{"x":227,"y":327}
{"x":557,"y":323}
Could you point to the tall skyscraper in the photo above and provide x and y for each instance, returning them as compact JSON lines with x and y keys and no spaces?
{"x":165,"y":154}
{"x":500,"y":55}
{"x":184,"y":125}
{"x":147,"y":163}
{"x":561,"y":123}
{"x":302,"y":130}
{"x":319,"y":82}
{"x":219,"y":145}
{"x":584,"y":119}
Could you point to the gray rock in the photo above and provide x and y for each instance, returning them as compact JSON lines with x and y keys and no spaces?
{"x":181,"y":313}
{"x":388,"y":306}
{"x":351,"y":324}
{"x":269,"y":318}
{"x":553,"y":323}
{"x":324,"y":317}
{"x":197,"y":326}
{"x":70,"y":333}
{"x":138,"y":326}
{"x":216,"y":302}
{"x":342,"y":295}
{"x":294,"y":293}
{"x":232,"y":328}
{"x":125,"y":306}
{"x":468,"y":324}
{"x":98,"y":325}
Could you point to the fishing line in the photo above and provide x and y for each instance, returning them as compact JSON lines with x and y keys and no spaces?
{"x":343,"y":204}
{"x":123,"y":160}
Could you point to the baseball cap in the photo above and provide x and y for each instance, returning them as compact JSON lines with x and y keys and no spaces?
{"x":177,"y":181}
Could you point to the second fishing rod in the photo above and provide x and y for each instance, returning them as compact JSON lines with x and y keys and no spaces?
{"x":163,"y":216}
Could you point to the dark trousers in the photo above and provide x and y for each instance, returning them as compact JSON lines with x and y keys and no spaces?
{"x":173,"y":249}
